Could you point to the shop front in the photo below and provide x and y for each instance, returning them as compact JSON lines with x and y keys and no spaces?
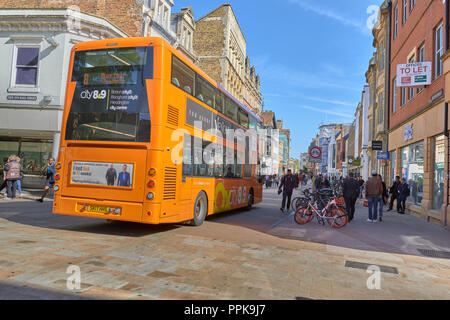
{"x":417,"y":152}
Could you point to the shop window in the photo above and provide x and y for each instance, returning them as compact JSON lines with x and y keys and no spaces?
{"x":412,"y":171}
{"x":438,"y":183}
{"x":34,"y":155}
{"x":394,"y":172}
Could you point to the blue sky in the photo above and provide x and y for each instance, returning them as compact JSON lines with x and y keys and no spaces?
{"x":312,"y":56}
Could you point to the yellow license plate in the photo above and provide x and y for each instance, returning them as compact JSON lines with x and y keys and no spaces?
{"x":98,"y":209}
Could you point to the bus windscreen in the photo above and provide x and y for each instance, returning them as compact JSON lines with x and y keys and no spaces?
{"x":110,"y":101}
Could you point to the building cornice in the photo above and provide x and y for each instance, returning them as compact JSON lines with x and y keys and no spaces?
{"x":32,"y":20}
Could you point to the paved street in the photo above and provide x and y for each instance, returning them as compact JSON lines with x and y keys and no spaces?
{"x":256,"y":254}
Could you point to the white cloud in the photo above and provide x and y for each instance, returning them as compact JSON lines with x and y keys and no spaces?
{"x":329,"y":112}
{"x":361,"y":27}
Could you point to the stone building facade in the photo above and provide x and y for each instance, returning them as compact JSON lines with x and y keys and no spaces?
{"x":220,"y":46}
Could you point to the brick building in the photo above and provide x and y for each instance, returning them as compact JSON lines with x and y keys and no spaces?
{"x":416,"y":139}
{"x":220,"y":46}
{"x":124,"y":14}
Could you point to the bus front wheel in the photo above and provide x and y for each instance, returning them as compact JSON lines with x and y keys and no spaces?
{"x":200,"y":210}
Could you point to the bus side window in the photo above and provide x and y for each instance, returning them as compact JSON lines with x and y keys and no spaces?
{"x":218,"y":161}
{"x":231,"y":109}
{"x":204,"y":91}
{"x":220,"y":100}
{"x":243,"y":118}
{"x":182,"y":76}
{"x":187,"y":156}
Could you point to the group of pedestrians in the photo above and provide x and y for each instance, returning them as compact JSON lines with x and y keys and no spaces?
{"x":13,"y":175}
{"x":374,"y":192}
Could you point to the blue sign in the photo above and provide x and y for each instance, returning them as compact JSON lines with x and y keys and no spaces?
{"x":383,"y":156}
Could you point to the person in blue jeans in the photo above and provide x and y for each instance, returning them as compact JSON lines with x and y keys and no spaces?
{"x":374,"y":191}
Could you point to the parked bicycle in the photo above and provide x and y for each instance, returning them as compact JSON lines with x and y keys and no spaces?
{"x":324,"y":205}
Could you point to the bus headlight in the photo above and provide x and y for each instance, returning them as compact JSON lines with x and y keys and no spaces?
{"x":150,"y":196}
{"x":56,"y":188}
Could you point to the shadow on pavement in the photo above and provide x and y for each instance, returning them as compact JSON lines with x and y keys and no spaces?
{"x":40,"y":215}
{"x":9,"y":291}
{"x":397,"y":234}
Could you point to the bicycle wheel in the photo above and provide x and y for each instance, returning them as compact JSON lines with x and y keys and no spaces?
{"x":296,"y":202}
{"x":340,"y":218}
{"x":303,"y":215}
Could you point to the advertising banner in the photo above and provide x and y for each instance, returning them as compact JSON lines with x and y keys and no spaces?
{"x":103,"y":174}
{"x":414,"y":74}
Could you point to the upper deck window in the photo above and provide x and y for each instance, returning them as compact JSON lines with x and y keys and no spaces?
{"x":182,"y":76}
{"x":115,"y":66}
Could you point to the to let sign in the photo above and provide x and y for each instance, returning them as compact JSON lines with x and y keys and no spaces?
{"x":414,"y":74}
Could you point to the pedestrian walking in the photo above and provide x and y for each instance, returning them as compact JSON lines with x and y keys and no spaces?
{"x":381,"y":200}
{"x":361,"y":187}
{"x":288,"y":184}
{"x":19,"y":181}
{"x":373,"y":193}
{"x":318,"y":183}
{"x":394,"y":194}
{"x":50,"y":172}
{"x":11,"y":175}
{"x":403,"y":194}
{"x":350,"y":187}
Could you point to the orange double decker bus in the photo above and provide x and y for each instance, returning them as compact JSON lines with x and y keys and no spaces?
{"x":144,"y":138}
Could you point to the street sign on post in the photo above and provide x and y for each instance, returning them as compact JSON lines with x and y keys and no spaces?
{"x":315,"y":155}
{"x":414,"y":74}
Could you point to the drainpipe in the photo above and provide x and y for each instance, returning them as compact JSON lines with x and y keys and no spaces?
{"x":388,"y":92}
{"x":446,"y":133}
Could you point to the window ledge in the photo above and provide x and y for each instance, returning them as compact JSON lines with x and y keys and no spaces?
{"x":24,"y":89}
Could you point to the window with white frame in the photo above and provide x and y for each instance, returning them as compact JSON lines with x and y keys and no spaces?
{"x":396,"y":21}
{"x":394,"y":95}
{"x":165,"y":22}
{"x":26,"y":66}
{"x":403,"y":96}
{"x":439,"y":51}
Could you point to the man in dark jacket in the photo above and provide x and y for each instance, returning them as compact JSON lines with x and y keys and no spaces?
{"x":403,"y":194}
{"x":394,"y":194}
{"x":288,"y":183}
{"x":351,"y":193}
{"x":111,"y":176}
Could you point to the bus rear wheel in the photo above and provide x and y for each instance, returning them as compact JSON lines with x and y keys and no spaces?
{"x":200,"y":210}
